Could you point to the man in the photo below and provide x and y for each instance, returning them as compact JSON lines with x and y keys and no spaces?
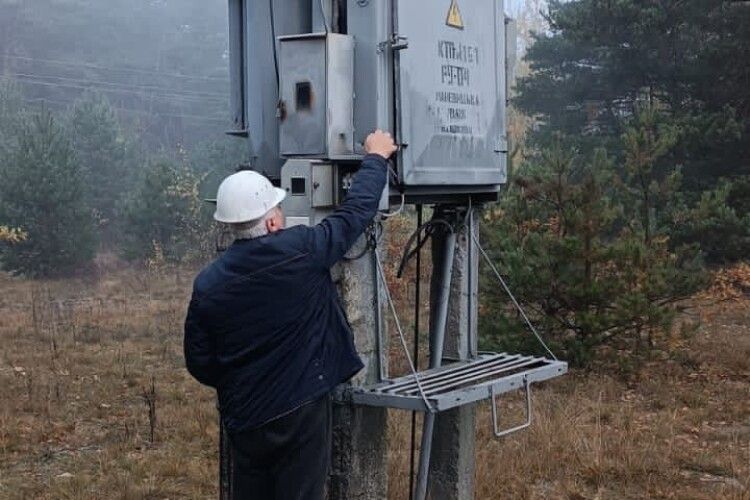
{"x":266,"y":329}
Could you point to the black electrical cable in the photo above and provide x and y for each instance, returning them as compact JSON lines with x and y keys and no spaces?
{"x":373,"y":234}
{"x":407,"y":255}
{"x":394,"y":175}
{"x":428,"y":228}
{"x":417,"y":298}
{"x":273,"y":45}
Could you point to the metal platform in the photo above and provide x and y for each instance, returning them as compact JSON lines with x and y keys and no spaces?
{"x":460,"y":383}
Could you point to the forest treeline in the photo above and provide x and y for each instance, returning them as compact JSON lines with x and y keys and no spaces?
{"x":112,"y":121}
{"x":75,"y":183}
{"x":630,"y":176}
{"x":633,"y":176}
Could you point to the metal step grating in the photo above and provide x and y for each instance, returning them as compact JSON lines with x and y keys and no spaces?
{"x":460,"y":383}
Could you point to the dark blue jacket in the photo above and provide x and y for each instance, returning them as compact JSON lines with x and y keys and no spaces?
{"x":265,"y":326}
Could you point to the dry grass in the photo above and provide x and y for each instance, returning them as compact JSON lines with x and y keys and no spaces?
{"x":78,"y":359}
{"x":77,"y":364}
{"x":678,"y":428}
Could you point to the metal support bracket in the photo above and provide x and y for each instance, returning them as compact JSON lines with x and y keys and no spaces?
{"x":501,"y":433}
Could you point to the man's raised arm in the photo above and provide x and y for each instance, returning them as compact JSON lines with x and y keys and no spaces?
{"x":335,"y":235}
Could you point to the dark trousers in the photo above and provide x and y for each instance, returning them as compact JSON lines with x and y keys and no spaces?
{"x":285,"y":459}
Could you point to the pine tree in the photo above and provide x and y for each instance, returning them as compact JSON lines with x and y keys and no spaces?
{"x":43,"y":195}
{"x":587,"y":247}
{"x":602,"y":60}
{"x":166,"y":216}
{"x":101,"y":151}
{"x":719,"y":222}
{"x":11,"y":117}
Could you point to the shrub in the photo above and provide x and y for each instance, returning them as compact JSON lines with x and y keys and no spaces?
{"x":165,"y":216}
{"x":42,"y":195}
{"x":585,"y":247}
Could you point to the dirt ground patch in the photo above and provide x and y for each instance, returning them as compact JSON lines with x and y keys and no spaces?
{"x":78,"y":360}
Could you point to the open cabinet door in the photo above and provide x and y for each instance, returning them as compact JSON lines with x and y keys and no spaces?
{"x":450,"y":92}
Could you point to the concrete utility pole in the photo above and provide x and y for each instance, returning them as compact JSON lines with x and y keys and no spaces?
{"x":359,"y":462}
{"x":452,"y":460}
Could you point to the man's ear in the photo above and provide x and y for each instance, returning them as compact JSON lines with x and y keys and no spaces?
{"x":271,"y":224}
{"x":274,"y":223}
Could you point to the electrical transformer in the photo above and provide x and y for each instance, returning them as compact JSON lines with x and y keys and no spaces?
{"x":310,"y":80}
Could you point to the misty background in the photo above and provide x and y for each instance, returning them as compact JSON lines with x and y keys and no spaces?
{"x":139,"y":90}
{"x":162,"y":65}
{"x":628,"y":125}
{"x":624,"y":230}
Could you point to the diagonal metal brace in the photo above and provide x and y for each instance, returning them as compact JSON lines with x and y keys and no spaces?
{"x":501,"y":433}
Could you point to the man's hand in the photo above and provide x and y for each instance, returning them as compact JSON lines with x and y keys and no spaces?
{"x":380,"y":143}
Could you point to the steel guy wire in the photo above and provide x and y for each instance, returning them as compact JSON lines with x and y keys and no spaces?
{"x":154,"y":88}
{"x":381,"y":274}
{"x":111,"y":68}
{"x":153,"y":114}
{"x":142,"y":93}
{"x":512,"y":297}
{"x":469,"y":227}
{"x":166,"y":97}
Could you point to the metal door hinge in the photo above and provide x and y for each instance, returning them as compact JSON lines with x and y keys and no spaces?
{"x":396,"y":42}
{"x":502,"y":145}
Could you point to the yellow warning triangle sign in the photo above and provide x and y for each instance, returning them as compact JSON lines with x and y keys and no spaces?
{"x":454,"y":16}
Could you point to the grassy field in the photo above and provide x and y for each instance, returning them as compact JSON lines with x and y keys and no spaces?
{"x":96,"y":404}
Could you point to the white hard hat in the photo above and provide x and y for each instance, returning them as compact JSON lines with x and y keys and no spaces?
{"x":246,"y":196}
